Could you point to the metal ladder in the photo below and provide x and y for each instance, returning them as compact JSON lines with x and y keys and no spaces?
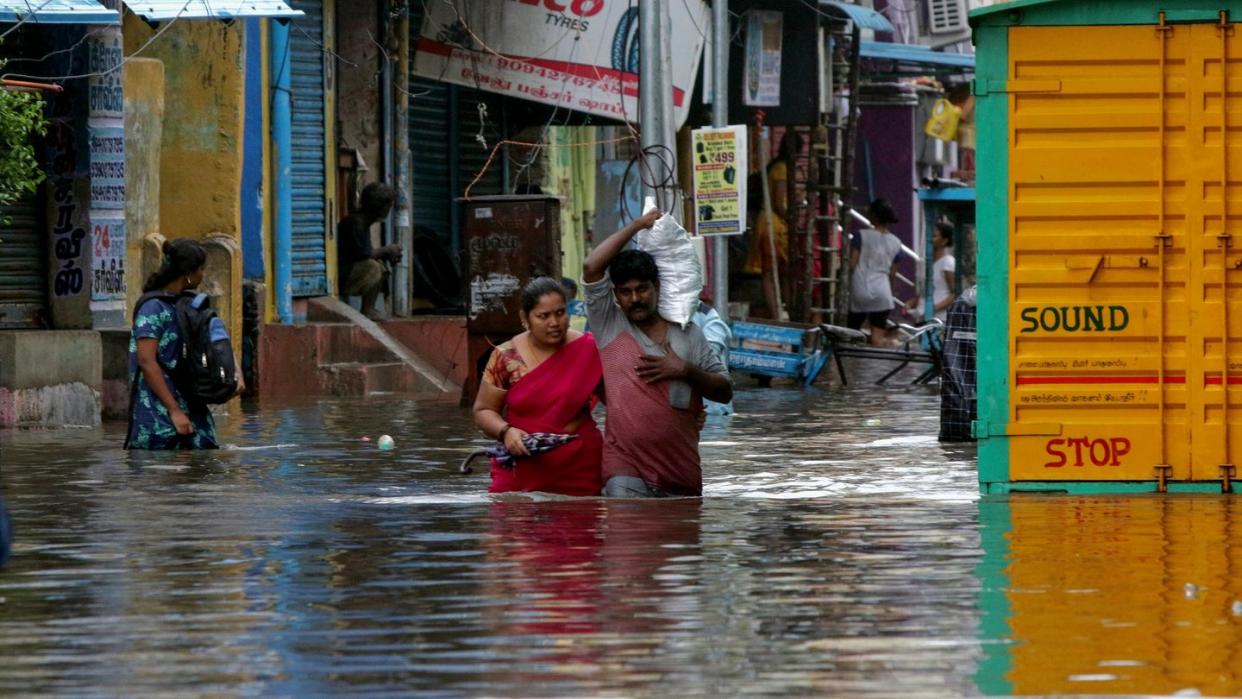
{"x":833,"y":156}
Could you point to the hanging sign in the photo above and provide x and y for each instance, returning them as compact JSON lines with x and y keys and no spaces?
{"x":762,"y":78}
{"x":574,"y":54}
{"x":719,"y":180}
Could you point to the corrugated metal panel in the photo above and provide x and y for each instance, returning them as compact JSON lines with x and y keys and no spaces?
{"x":163,"y":10}
{"x":58,"y":12}
{"x":430,"y":172}
{"x":23,"y":264}
{"x":1124,"y":345}
{"x":310,"y":223}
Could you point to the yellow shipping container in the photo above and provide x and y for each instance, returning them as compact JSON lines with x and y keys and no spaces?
{"x":1110,"y":143}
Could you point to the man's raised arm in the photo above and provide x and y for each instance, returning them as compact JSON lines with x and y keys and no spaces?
{"x":597,"y":262}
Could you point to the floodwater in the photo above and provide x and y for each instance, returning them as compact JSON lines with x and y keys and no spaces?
{"x":839,"y":550}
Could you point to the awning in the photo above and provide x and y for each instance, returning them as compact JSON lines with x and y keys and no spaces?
{"x":913,"y":54}
{"x":165,"y":10}
{"x":57,"y":12}
{"x":864,"y":17}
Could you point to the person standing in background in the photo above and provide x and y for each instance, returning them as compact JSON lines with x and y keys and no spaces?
{"x":873,"y":264}
{"x":944,"y":272}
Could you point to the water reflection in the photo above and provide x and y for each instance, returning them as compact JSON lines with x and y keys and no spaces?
{"x":1132,"y":595}
{"x":839,"y":550}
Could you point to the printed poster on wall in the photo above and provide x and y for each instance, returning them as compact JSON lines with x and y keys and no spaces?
{"x":762,"y":72}
{"x":720,"y":180}
{"x":574,"y":54}
{"x":108,"y":265}
{"x":107,"y":153}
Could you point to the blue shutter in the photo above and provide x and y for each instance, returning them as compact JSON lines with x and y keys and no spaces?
{"x":310,"y":220}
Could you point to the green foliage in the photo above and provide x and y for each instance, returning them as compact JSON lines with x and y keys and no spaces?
{"x":21,"y":116}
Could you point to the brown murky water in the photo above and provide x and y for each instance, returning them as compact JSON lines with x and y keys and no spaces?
{"x":830,"y":555}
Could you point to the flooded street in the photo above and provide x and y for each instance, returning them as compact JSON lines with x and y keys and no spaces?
{"x":839,"y":549}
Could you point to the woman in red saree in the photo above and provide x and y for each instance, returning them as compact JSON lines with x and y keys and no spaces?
{"x":544,"y":380}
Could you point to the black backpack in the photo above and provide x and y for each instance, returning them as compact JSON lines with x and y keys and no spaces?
{"x":206,"y":371}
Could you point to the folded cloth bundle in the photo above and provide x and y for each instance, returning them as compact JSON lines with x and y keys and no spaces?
{"x":536,"y":443}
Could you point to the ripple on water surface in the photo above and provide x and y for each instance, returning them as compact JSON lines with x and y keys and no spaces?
{"x":830,"y":554}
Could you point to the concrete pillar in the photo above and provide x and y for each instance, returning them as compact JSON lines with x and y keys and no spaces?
{"x":223,"y":282}
{"x":107,"y":173}
{"x":144,"y":126}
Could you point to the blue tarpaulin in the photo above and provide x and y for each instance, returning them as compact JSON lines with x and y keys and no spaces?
{"x":57,"y":12}
{"x":864,"y":17}
{"x":164,"y":10}
{"x":914,"y":54}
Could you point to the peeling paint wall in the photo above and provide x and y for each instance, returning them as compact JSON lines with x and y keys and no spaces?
{"x":201,"y":152}
{"x":200,"y":158}
{"x":144,"y":126}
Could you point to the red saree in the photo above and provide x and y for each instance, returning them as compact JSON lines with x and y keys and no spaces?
{"x":546,"y":399}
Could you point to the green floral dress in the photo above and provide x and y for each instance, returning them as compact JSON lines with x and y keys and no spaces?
{"x":151,"y":425}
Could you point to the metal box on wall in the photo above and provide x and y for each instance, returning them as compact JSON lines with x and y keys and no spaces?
{"x":507,"y":241}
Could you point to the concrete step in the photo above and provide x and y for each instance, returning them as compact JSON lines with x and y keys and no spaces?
{"x":337,"y":343}
{"x":362,"y":379}
{"x":325,"y":313}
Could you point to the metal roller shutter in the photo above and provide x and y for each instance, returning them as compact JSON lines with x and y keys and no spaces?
{"x":444,"y":154}
{"x":23,"y":264}
{"x":310,"y":219}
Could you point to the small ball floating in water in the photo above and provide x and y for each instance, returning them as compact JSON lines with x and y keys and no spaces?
{"x":1236,"y":608}
{"x":1192,"y":590}
{"x":366,"y":438}
{"x":385,"y":442}
{"x":873,"y":422}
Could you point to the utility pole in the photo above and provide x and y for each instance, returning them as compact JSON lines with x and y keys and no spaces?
{"x":655,"y":91}
{"x":720,"y":119}
{"x":402,"y":289}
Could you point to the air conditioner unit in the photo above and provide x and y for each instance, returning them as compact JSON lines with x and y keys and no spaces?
{"x":947,"y":16}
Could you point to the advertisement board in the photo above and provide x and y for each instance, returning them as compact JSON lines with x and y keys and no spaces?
{"x":576,"y":54}
{"x":720,"y":180}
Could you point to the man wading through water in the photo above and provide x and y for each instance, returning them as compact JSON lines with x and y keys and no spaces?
{"x":655,"y":374}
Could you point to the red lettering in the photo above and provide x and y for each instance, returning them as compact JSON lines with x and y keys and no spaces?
{"x":554,"y":6}
{"x":1120,"y":447}
{"x":1060,"y":456}
{"x":1101,"y":451}
{"x":1102,"y":460}
{"x":1078,"y":443}
{"x":587,"y":8}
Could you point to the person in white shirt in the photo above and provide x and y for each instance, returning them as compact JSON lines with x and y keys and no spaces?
{"x":873,"y":264}
{"x":944,"y":271}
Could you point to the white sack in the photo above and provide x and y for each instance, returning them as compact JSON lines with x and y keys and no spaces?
{"x":681,"y":275}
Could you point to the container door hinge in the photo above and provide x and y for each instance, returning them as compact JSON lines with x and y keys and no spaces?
{"x":1163,"y":471}
{"x":1227,"y":474}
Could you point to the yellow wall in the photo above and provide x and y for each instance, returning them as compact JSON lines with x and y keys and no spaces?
{"x":201,"y":143}
{"x":144,"y":124}
{"x":201,"y":157}
{"x":571,"y":174}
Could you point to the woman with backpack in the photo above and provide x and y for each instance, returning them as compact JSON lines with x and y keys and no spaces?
{"x":160,"y":415}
